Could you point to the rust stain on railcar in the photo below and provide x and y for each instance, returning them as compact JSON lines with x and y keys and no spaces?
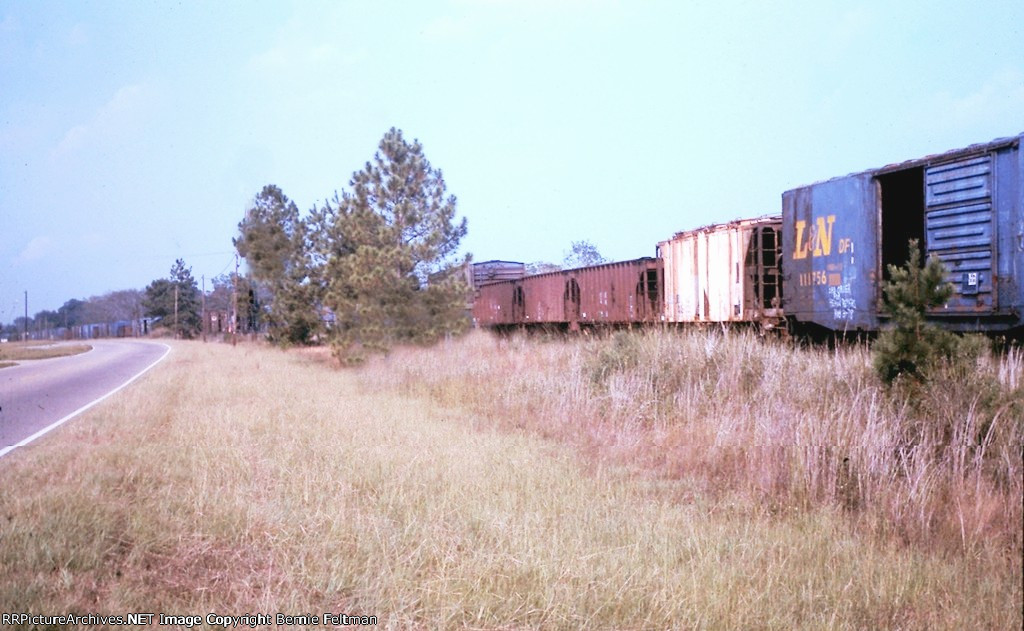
{"x":725,"y":273}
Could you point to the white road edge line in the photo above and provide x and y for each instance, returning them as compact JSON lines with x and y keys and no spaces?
{"x":25,"y":441}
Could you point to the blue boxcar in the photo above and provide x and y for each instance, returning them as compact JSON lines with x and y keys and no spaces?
{"x":964,"y":206}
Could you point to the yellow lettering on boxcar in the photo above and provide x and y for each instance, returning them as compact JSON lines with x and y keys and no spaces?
{"x":823,"y":236}
{"x":819,"y":239}
{"x":800,"y":252}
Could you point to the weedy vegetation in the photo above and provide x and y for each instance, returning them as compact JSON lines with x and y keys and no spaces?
{"x":641,"y":481}
{"x":938,"y":464}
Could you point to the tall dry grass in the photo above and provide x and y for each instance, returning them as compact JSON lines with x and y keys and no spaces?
{"x":244,"y":480}
{"x":786,"y":427}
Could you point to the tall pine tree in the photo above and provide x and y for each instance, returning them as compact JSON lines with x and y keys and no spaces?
{"x":389,"y":251}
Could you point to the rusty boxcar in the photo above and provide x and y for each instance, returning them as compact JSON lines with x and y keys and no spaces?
{"x":725,"y":273}
{"x":964,"y":206}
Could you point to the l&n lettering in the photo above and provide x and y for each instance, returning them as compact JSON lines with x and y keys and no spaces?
{"x":819,"y":237}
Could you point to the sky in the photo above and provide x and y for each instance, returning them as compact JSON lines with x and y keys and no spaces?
{"x":136,"y":133}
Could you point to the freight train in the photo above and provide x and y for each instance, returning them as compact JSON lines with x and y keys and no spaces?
{"x":819,"y":264}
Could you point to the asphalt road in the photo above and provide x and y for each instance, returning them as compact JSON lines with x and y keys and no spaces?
{"x":37,"y":396}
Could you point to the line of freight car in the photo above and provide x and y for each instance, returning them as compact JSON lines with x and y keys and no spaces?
{"x":612,"y":294}
{"x":965,"y":206}
{"x":821,"y":265}
{"x":724,"y":273}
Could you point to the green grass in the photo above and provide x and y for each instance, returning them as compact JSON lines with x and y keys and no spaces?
{"x":242,"y":480}
{"x":20,"y":351}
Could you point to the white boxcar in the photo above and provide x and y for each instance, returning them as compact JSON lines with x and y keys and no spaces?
{"x":724,"y":273}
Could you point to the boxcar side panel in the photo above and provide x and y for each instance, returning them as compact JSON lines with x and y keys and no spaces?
{"x":830,"y":253}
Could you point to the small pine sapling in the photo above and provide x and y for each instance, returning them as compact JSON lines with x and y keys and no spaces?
{"x":912,"y":346}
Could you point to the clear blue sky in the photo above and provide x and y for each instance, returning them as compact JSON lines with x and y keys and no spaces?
{"x":134,"y":133}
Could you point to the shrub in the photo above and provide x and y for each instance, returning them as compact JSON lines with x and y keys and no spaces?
{"x":913,"y":346}
{"x":621,"y":354}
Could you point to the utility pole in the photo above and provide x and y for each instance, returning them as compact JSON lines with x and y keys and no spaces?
{"x":234,"y":304}
{"x":204,"y":306}
{"x":26,"y":316}
{"x":175,"y":311}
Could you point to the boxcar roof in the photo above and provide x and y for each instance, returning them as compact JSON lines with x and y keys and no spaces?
{"x":998,"y":143}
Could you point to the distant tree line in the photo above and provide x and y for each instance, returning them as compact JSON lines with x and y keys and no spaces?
{"x":155,"y":302}
{"x":114,"y":306}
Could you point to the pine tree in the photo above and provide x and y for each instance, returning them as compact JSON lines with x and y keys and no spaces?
{"x":272,"y":240}
{"x":913,"y":345}
{"x":389,"y":253}
{"x":160,"y":297}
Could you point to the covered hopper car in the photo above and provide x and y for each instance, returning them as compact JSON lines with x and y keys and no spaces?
{"x":724,"y":273}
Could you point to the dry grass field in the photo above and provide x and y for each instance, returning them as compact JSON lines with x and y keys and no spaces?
{"x":12,"y":352}
{"x":638,"y":482}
